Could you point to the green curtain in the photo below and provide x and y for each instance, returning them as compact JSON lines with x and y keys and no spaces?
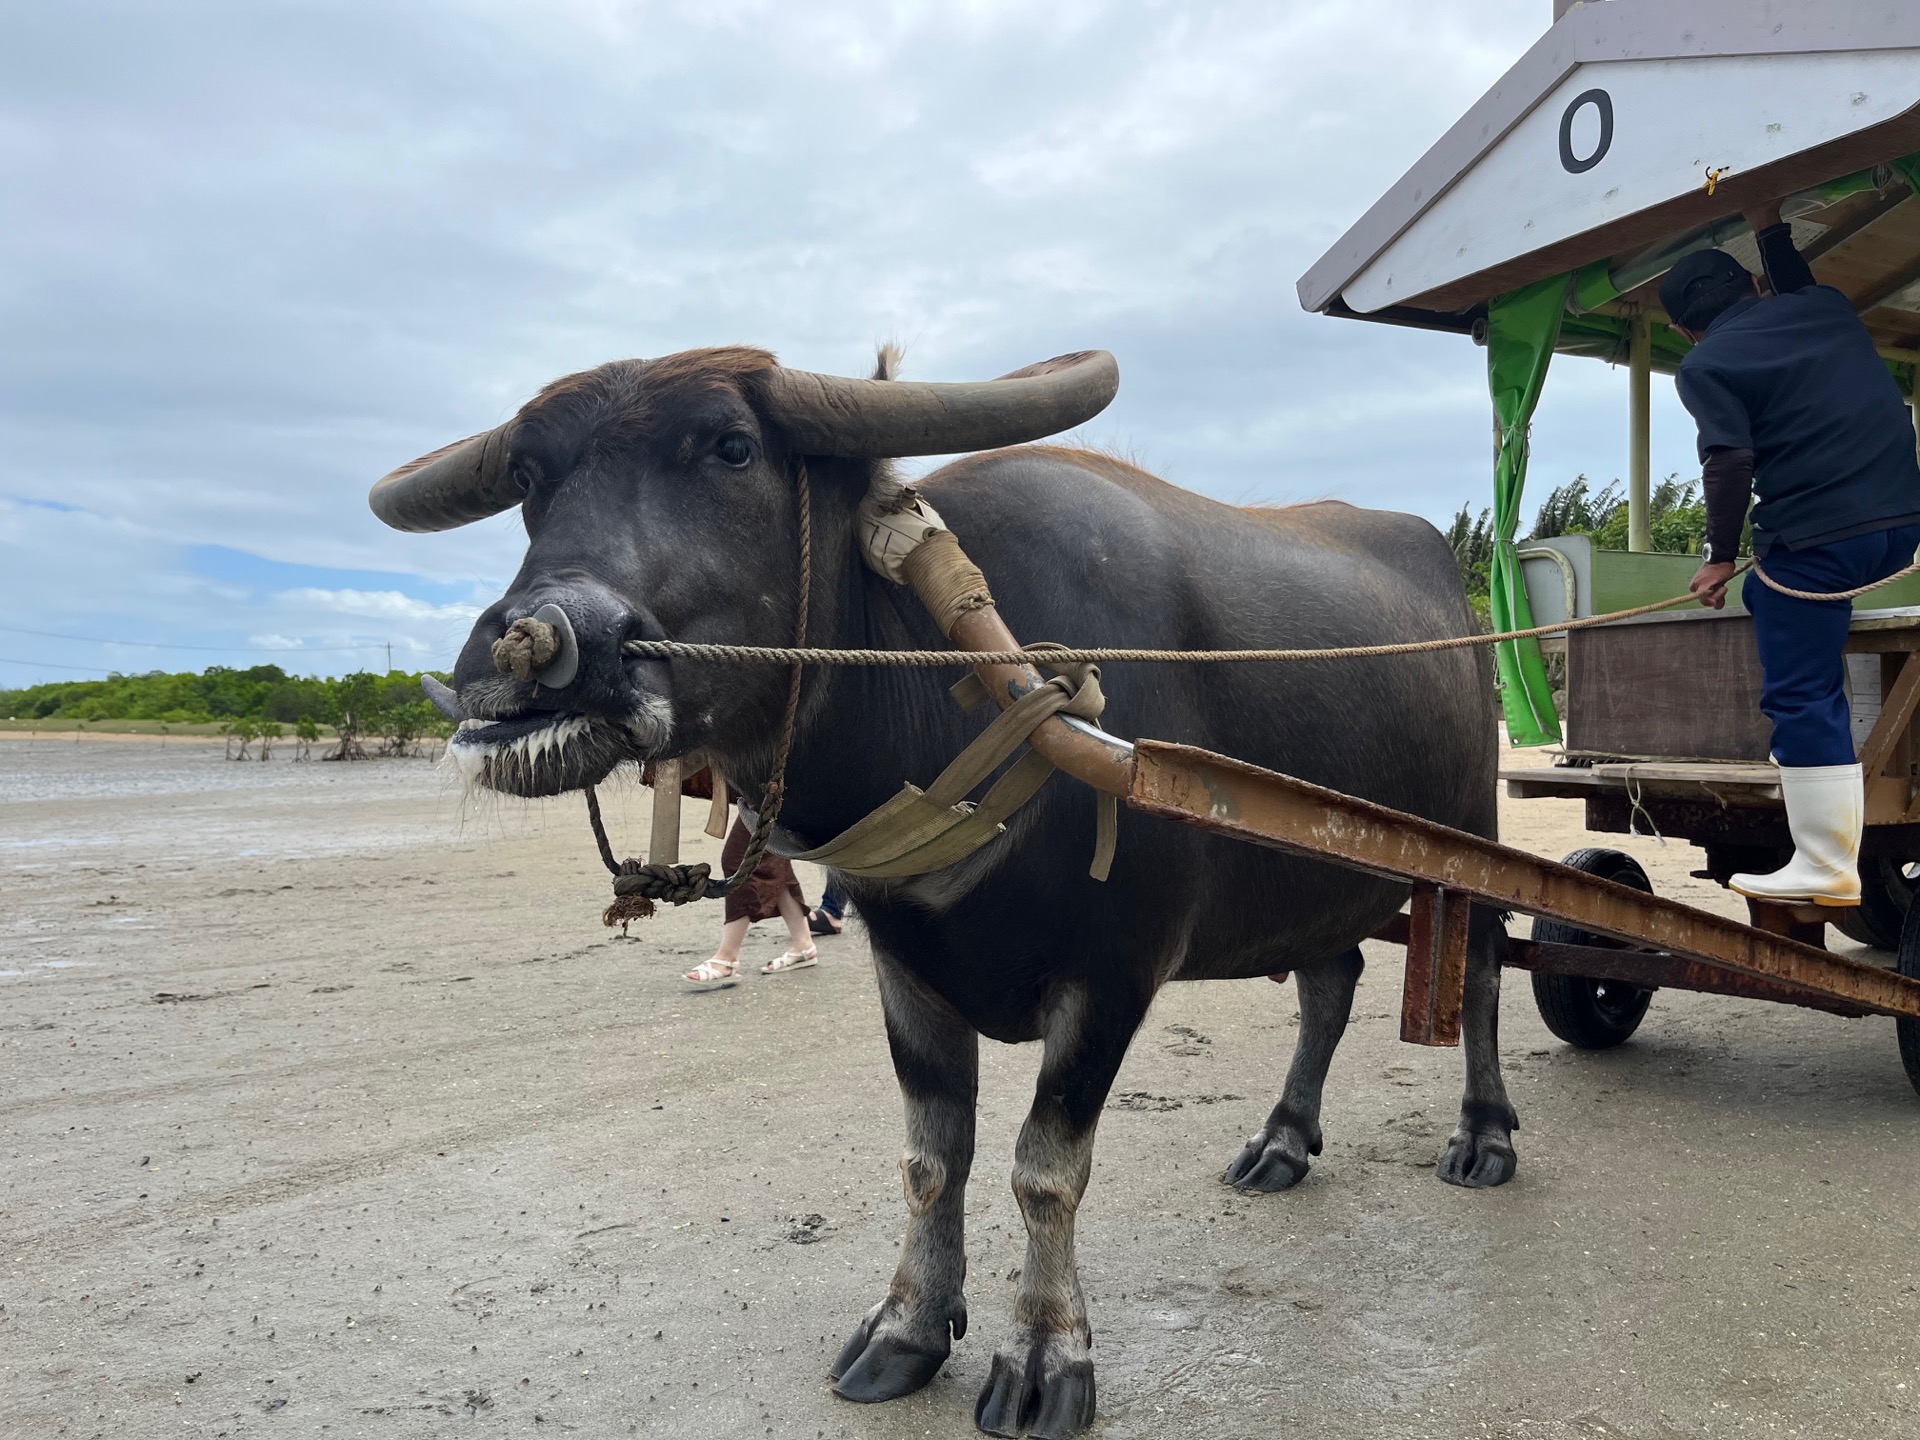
{"x":1521,"y":331}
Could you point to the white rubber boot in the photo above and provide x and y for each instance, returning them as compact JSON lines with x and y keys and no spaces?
{"x":1825,"y":805}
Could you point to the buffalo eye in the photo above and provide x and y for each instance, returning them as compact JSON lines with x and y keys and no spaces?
{"x":734,"y":449}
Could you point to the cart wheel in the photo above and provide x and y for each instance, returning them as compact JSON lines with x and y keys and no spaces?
{"x":1909,"y":1030}
{"x":1886,"y":894}
{"x":1599,"y":1014}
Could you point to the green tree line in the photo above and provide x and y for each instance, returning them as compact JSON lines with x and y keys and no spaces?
{"x":357,"y":706}
{"x":1677,"y":515}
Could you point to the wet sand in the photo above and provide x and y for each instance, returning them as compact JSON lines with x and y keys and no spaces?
{"x":329,"y":1108}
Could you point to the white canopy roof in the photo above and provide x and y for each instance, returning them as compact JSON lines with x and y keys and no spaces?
{"x":1631,"y":123}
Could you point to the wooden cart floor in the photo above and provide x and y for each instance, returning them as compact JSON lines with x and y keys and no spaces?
{"x":1733,"y":782}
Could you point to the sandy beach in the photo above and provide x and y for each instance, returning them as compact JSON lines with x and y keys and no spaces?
{"x":329,"y":1106}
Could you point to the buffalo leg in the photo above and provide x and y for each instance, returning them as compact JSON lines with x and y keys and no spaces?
{"x":1480,"y":1153}
{"x":1044,"y":1378}
{"x":1276,"y":1157}
{"x":904,"y":1340}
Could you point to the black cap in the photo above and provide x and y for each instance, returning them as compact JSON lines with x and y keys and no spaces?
{"x":1701,"y":286}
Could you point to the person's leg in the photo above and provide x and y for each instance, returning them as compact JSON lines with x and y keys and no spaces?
{"x":726,"y":959}
{"x":830,"y":914}
{"x":1804,"y":689}
{"x":800,"y":950}
{"x":791,"y":911}
{"x":1804,"y":693}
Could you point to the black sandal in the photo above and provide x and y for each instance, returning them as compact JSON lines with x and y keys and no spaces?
{"x":819,"y":922}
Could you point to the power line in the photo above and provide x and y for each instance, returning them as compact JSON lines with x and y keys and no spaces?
{"x":214,"y":649}
{"x":47,"y":665}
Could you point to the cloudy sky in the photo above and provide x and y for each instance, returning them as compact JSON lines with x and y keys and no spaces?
{"x":257,"y":254}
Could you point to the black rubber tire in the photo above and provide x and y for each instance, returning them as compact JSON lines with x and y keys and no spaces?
{"x":1886,"y":895}
{"x":1592,"y":1014}
{"x":1908,"y":957}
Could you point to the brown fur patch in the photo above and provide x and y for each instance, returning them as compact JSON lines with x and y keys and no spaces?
{"x":623,"y":401}
{"x":719,"y":362}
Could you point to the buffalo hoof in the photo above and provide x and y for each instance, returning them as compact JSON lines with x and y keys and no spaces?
{"x":884,"y":1358}
{"x":1044,"y":1387}
{"x":1480,"y":1154}
{"x":1276,"y":1158}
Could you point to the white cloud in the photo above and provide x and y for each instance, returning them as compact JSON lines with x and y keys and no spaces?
{"x":255,"y":256}
{"x":378,"y":605}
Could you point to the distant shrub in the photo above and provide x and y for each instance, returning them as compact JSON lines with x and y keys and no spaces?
{"x":260,"y":696}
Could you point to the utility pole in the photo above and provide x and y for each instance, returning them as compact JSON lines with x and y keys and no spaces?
{"x":389,"y":657}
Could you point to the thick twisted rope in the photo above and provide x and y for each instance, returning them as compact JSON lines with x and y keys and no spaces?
{"x":775,"y":793}
{"x":1110,"y":654}
{"x":1094,"y":655}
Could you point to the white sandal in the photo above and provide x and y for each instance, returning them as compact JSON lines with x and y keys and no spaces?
{"x":713,"y":973}
{"x":792,"y":960}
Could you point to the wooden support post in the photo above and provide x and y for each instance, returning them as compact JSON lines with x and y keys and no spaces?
{"x":1640,"y":437}
{"x":664,"y":844}
{"x":1436,"y":980}
{"x":1884,"y":761}
{"x":1804,"y":923}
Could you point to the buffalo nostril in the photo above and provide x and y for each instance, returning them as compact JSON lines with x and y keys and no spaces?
{"x":559,"y":671}
{"x":540,"y":647}
{"x":529,"y":645}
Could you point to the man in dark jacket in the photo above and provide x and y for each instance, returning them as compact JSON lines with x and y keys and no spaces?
{"x":1794,"y":402}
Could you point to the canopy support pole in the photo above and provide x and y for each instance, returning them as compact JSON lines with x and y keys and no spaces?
{"x":1913,"y":399}
{"x":1640,"y":441}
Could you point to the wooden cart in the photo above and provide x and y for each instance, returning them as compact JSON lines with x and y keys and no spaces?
{"x":1632,"y":134}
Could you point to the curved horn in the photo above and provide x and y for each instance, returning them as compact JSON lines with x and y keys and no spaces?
{"x":882,"y":419}
{"x":454,"y":485}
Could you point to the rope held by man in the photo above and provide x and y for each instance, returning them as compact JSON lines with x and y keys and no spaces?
{"x":637,"y":885}
{"x":1095,"y":655}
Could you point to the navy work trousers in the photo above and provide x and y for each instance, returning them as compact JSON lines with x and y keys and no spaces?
{"x":1805,"y":692}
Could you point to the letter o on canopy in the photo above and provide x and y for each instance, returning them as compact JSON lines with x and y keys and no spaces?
{"x":1603,"y":104}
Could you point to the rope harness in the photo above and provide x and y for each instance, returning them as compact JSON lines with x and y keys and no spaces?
{"x":636,"y":884}
{"x":919,"y":831}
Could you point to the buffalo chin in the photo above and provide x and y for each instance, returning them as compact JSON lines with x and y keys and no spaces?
{"x":548,"y":753}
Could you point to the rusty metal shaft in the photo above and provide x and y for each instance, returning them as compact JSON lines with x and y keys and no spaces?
{"x":1228,"y":797}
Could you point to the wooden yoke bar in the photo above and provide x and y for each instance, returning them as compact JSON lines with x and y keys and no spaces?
{"x":955,"y":593}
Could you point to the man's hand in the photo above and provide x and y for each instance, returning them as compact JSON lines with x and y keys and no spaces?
{"x":1763,"y":217}
{"x":1709,"y":583}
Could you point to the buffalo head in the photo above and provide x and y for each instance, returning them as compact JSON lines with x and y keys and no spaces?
{"x":659,"y":503}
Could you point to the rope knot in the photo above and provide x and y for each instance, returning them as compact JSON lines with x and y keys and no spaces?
{"x":675,"y":884}
{"x":527,"y":648}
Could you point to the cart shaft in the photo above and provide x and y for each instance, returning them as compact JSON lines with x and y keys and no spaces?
{"x":1229,"y":797}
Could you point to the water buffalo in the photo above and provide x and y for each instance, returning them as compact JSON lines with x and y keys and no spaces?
{"x":659,"y":502}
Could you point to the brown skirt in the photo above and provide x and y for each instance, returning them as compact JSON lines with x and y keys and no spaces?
{"x":758,"y":896}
